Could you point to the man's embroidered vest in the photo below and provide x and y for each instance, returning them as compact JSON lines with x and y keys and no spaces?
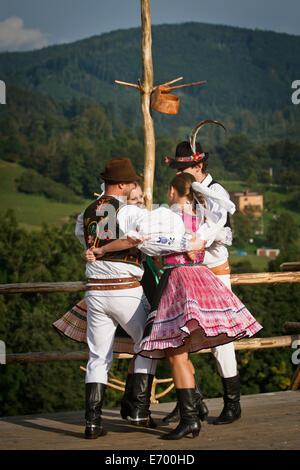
{"x":101,"y":227}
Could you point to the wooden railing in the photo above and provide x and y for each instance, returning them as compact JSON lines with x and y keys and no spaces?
{"x":80,"y":286}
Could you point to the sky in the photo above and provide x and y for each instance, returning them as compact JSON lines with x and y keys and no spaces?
{"x":32,"y":24}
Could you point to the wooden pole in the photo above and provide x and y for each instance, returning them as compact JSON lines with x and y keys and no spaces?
{"x":187,"y":84}
{"x":53,"y":356}
{"x":264,"y":278}
{"x":146,"y":90}
{"x":295,"y":384}
{"x":46,"y":287}
{"x":48,"y":356}
{"x":80,"y":286}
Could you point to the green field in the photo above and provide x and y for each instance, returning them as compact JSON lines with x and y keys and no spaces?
{"x":259,"y":263}
{"x":233,"y":186}
{"x":32,"y":210}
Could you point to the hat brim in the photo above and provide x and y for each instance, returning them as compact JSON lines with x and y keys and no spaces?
{"x":182,"y":165}
{"x":117,"y":180}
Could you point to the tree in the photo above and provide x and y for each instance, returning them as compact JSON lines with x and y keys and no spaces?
{"x":293,"y":202}
{"x":53,"y":254}
{"x":282,"y":231}
{"x":243,"y":226}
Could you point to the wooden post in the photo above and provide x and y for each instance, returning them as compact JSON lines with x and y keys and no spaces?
{"x":146,"y":90}
{"x":296,"y":379}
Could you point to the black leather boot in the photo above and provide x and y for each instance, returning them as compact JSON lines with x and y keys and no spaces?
{"x":174,"y":415}
{"x":138,"y":403}
{"x":232,"y":409}
{"x":201,"y":406}
{"x":125,"y":402}
{"x":189,"y":419}
{"x":94,"y":395}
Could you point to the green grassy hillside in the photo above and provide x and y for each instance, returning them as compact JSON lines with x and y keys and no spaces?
{"x":31,"y":210}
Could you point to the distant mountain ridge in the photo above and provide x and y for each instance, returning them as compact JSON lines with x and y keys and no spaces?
{"x":249,"y":73}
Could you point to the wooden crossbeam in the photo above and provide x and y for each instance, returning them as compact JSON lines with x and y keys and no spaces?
{"x":53,"y":356}
{"x":80,"y":286}
{"x":264,"y":278}
{"x":248,"y":344}
{"x":291,"y":327}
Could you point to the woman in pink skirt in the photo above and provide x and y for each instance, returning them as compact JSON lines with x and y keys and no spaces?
{"x":192,"y":310}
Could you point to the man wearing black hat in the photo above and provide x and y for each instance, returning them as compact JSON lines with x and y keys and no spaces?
{"x":216,"y":259}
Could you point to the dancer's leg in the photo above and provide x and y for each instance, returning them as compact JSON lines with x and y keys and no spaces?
{"x":180,"y":368}
{"x":174,"y":415}
{"x":185,"y":390}
{"x":227,"y":368}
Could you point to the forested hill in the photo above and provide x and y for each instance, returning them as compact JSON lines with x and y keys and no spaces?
{"x":249,"y":75}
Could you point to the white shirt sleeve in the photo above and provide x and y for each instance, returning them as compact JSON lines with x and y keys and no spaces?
{"x":161,"y":230}
{"x":79,"y":230}
{"x":216,"y":217}
{"x":164,"y":232}
{"x":128,"y":218}
{"x":164,"y":245}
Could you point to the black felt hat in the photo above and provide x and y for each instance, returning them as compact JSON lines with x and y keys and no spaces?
{"x":184,"y":156}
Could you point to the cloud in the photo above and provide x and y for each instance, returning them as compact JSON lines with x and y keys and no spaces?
{"x":14,"y":37}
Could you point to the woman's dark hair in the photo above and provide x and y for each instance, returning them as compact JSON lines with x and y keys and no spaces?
{"x":183,"y":185}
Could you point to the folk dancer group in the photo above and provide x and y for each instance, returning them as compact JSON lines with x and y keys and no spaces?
{"x":191,"y":308}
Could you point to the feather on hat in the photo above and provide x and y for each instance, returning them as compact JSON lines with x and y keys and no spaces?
{"x":190,"y":153}
{"x":197,"y":129}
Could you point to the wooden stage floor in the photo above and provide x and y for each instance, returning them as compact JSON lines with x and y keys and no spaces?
{"x":269,"y":422}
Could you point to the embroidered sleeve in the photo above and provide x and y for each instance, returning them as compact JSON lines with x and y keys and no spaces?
{"x":163,"y":245}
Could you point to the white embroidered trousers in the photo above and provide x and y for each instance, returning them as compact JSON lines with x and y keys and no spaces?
{"x":105,"y":310}
{"x":225,"y":354}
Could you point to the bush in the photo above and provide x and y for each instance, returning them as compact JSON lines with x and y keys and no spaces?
{"x":31,"y":182}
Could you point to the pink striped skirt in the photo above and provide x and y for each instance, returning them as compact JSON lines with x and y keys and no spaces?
{"x":196,"y":305}
{"x":73,"y":325}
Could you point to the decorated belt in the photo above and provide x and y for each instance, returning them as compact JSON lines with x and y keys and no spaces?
{"x":113,"y":284}
{"x":111,"y":281}
{"x":221,"y":269}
